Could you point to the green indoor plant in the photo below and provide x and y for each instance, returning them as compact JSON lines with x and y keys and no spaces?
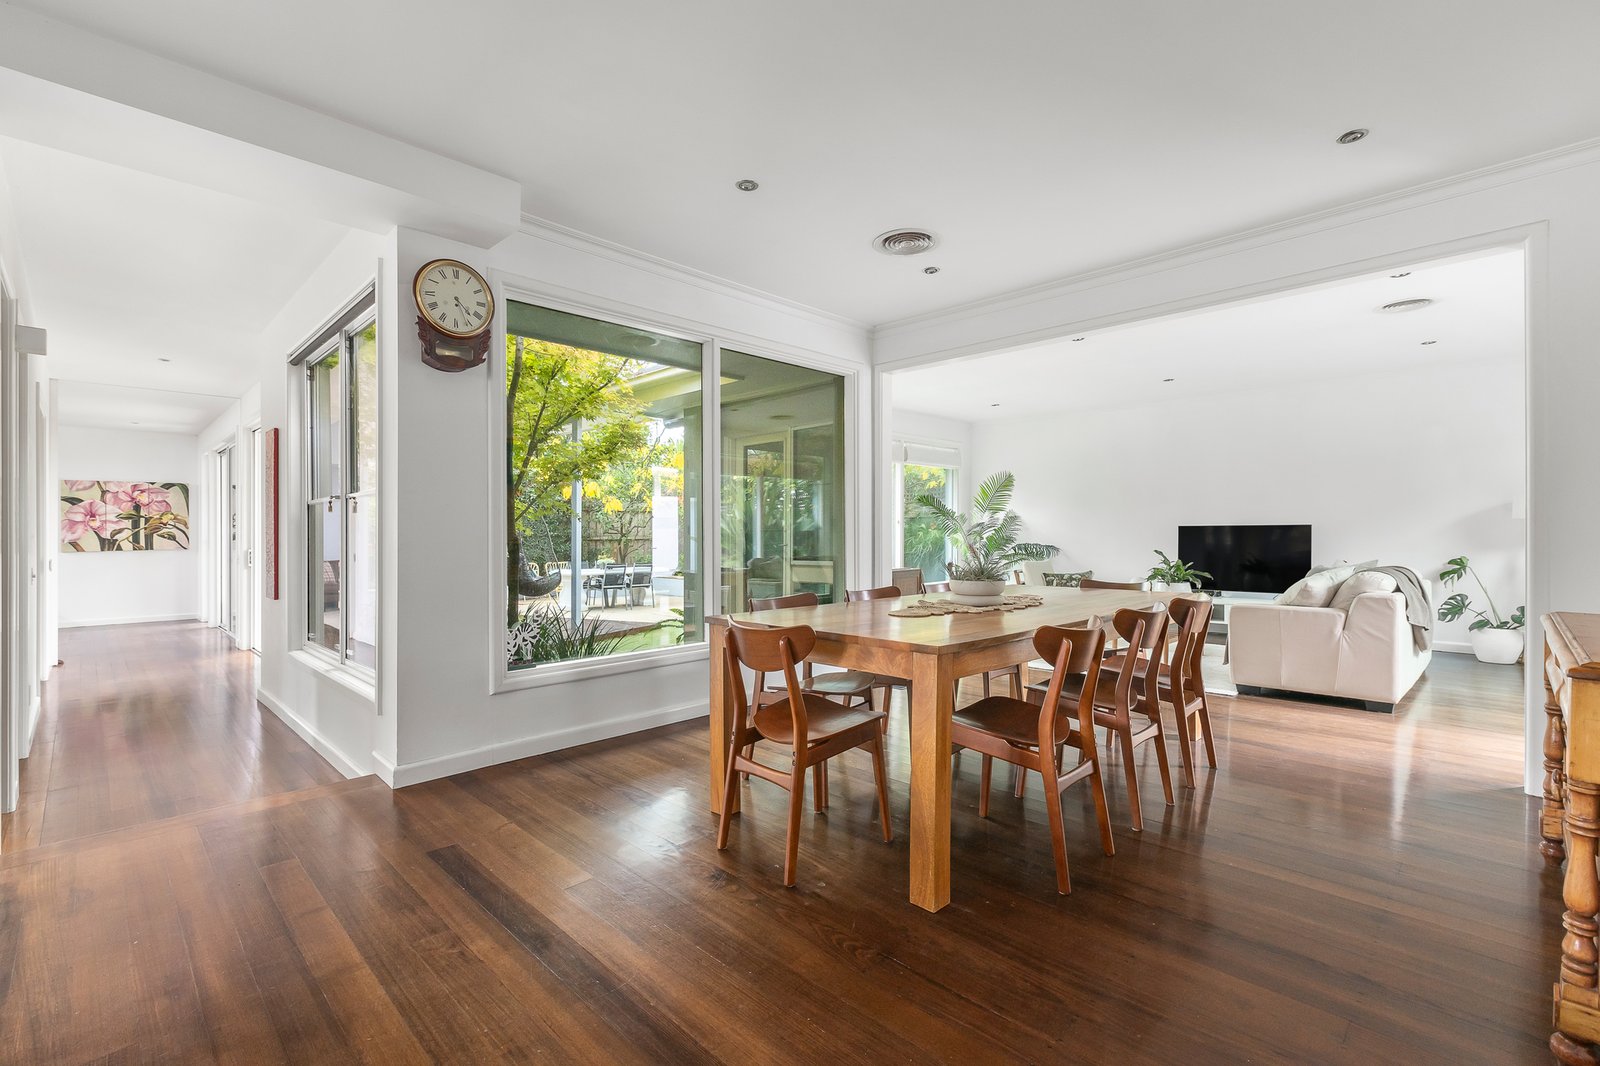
{"x":1175,"y":573}
{"x":1495,"y":638}
{"x":986,"y":538}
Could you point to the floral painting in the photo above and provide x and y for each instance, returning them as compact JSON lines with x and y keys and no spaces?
{"x":124,"y":516}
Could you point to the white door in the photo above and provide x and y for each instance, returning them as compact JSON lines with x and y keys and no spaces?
{"x":227,"y":531}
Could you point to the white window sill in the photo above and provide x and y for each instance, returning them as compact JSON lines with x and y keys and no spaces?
{"x":508,"y":680}
{"x":339,"y":674}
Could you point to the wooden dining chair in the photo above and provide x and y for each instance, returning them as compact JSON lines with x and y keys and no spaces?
{"x":1034,"y":735}
{"x":936,"y":586}
{"x":1121,"y":694}
{"x":847,"y":685}
{"x":1180,"y":683}
{"x":887,"y":682}
{"x":1128,"y":586}
{"x":811,"y":726}
{"x":908,"y":579}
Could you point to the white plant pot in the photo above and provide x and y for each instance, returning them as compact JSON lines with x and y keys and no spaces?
{"x":977,"y":593}
{"x":1497,"y":645}
{"x":1171,"y":586}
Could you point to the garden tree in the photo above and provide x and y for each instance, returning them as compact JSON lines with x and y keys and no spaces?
{"x":549,"y":388}
{"x":925,"y":543}
{"x":620,"y":515}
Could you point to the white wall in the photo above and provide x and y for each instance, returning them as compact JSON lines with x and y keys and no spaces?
{"x":1398,"y":467}
{"x":104,"y":588}
{"x":1546,"y":205}
{"x":448,"y":632}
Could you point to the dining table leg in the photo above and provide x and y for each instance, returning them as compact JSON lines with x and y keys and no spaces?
{"x":932,"y":702}
{"x":719,"y":740}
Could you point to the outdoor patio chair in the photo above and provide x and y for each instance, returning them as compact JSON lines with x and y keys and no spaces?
{"x":639,"y":577}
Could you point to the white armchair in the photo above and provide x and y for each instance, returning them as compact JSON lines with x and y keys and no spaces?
{"x":1366,"y":654}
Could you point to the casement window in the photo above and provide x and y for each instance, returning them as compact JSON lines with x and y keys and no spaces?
{"x":340,"y":480}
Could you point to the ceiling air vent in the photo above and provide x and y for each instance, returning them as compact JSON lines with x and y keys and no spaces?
{"x":1406,"y":305}
{"x":904,"y":242}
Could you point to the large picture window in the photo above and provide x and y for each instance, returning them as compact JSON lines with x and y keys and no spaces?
{"x":603,"y":461}
{"x":924,"y":471}
{"x":341,"y":478}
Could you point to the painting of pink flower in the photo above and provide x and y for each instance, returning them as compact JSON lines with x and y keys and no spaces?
{"x":122,"y":516}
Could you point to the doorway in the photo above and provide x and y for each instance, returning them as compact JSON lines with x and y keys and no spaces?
{"x":227,"y":525}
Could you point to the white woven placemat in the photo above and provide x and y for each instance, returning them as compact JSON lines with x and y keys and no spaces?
{"x":931,"y":608}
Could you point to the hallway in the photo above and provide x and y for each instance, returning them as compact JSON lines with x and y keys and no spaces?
{"x":147,"y":722}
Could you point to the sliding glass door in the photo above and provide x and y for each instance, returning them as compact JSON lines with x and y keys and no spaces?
{"x":783,"y":478}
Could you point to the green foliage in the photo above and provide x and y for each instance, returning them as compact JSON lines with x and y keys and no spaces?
{"x":546,"y":636}
{"x":986,"y":535}
{"x":1175,"y":571}
{"x":924,"y":542}
{"x":1458,"y":605}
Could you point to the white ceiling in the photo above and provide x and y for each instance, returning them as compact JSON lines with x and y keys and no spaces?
{"x":86,"y":403}
{"x":1330,"y":331}
{"x":126,"y":269}
{"x":1037,"y":138}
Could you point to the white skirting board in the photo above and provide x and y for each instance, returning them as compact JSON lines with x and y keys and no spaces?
{"x":415,"y":773}
{"x":84,"y":623}
{"x":339,"y":760}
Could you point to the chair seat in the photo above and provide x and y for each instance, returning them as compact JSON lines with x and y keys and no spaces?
{"x":840,"y":683}
{"x":824,"y":719}
{"x":1014,"y":721}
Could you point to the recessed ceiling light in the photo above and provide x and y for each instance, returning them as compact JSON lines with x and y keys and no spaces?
{"x":1406,"y":305}
{"x":1167,"y":380}
{"x":1402,"y":274}
{"x":930,"y":270}
{"x":1430,"y":342}
{"x":747,"y":185}
{"x":1352,"y":136}
{"x":1075,"y":340}
{"x":994,"y":405}
{"x":133,"y":422}
{"x":904,"y":242}
{"x":162,"y":359}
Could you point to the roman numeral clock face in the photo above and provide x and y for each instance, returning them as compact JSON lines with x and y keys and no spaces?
{"x":454,"y":298}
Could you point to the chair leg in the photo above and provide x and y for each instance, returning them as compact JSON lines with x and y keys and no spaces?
{"x":1016,"y":683}
{"x":1161,"y":759}
{"x":729,"y":791}
{"x":984,"y":777}
{"x":1205,"y":731}
{"x":1185,"y":746}
{"x":883,"y":787}
{"x":1019,"y":780}
{"x":819,"y":785}
{"x":1058,"y":834}
{"x":1102,"y":810}
{"x":986,"y":684}
{"x":797,"y":800}
{"x":1126,"y":740}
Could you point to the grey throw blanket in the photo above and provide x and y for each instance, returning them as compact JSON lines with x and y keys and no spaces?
{"x":1418,"y":612}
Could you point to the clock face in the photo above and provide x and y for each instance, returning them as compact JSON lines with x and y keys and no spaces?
{"x":454,"y":298}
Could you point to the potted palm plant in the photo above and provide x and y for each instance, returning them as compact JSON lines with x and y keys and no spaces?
{"x":986,"y":538}
{"x":1495,"y":639}
{"x":1175,"y":574}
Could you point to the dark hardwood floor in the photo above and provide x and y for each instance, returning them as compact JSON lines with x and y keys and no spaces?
{"x":144,"y":722}
{"x":1347,"y":888}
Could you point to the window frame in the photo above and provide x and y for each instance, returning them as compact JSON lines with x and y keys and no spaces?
{"x":956,"y":467}
{"x":712,"y":339}
{"x":345,"y":328}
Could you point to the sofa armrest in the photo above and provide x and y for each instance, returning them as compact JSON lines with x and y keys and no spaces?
{"x":1271,"y":645}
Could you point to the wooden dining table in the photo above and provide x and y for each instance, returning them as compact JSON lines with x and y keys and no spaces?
{"x":933,"y":652}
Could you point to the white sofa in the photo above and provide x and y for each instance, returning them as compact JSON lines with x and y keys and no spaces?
{"x":1366,"y":653}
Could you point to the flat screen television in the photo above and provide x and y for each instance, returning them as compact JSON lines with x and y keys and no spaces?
{"x":1247,"y":558}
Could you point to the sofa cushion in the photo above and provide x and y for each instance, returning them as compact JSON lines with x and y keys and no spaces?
{"x":1316,"y":588}
{"x":1357,"y":583}
{"x":1066,"y":581}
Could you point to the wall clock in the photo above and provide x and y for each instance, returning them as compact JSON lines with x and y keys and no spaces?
{"x":455,"y":312}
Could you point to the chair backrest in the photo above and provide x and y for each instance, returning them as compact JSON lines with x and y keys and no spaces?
{"x":1193,"y":614}
{"x":615,"y":576}
{"x":936,"y":586}
{"x":1145,"y":630}
{"x":1071,"y":652}
{"x":773,"y":603}
{"x":1131,"y":586}
{"x":766,"y":650}
{"x":908,"y":579}
{"x":639,"y":574}
{"x":882,"y":592}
